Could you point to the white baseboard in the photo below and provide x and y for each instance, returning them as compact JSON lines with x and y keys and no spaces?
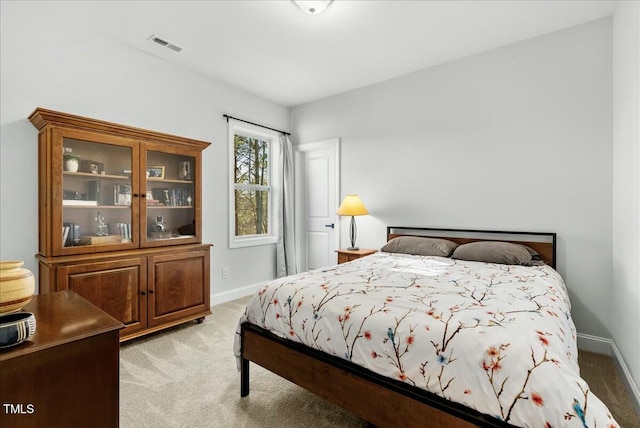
{"x":622,"y":367}
{"x":608,"y":347}
{"x":236,"y":293}
{"x":596,"y":344}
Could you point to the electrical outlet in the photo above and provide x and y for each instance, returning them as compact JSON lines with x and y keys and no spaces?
{"x":225,"y":273}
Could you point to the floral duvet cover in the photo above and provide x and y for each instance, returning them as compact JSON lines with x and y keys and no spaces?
{"x":496,"y":338}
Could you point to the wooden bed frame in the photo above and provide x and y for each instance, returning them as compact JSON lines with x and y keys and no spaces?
{"x":381,"y":401}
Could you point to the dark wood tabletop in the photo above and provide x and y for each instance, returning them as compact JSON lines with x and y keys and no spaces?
{"x":61,"y":317}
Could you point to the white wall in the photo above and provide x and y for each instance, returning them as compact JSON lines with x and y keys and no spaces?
{"x":44,"y":65}
{"x":626,"y":184}
{"x":517,"y":138}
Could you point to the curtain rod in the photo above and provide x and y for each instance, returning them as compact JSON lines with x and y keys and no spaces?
{"x":226,"y":116}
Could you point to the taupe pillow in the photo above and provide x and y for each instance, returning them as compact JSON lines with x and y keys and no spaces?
{"x":420,"y":246}
{"x":534,"y":254}
{"x":494,"y":252}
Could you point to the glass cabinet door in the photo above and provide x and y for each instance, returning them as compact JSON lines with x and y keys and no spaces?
{"x":169,"y":213}
{"x":97,"y":193}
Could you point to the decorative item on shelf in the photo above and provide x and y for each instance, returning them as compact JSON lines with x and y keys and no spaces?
{"x":91,"y":166}
{"x":151,"y":200}
{"x":16,"y":286}
{"x":122,"y":194}
{"x":72,"y":195}
{"x":73,"y":198}
{"x":184,"y":170}
{"x":160,"y":196}
{"x":100,"y":240}
{"x":124,"y":229}
{"x":159,"y":225}
{"x":181,"y":197}
{"x":71,"y":162}
{"x":156,"y":172}
{"x":188,"y":229}
{"x":15,"y":328}
{"x":352,"y":206}
{"x":73,"y":234}
{"x":159,"y":229}
{"x":94,"y":191}
{"x":102,"y":229}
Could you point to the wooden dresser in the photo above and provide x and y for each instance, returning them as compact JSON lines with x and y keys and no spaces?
{"x":67,"y":374}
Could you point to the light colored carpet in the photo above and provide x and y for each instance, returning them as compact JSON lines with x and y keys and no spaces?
{"x":600,"y":372}
{"x":187,"y":377}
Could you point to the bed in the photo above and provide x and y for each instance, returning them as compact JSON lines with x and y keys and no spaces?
{"x":443,"y":328}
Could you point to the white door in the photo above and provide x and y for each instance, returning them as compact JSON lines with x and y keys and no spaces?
{"x":317,"y":191}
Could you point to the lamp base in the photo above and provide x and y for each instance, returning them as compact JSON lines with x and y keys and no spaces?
{"x":352,"y":234}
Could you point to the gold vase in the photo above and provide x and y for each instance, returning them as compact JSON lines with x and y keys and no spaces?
{"x":17,"y":286}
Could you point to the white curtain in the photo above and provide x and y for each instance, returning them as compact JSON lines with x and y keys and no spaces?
{"x":285,"y":248}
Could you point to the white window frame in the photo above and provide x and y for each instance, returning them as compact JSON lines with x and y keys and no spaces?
{"x":273,"y":139}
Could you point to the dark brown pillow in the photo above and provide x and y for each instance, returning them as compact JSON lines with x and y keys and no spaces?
{"x":494,"y":252}
{"x":420,"y":246}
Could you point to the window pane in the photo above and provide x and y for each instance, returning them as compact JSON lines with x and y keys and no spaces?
{"x":252,"y":213}
{"x":251,"y":161}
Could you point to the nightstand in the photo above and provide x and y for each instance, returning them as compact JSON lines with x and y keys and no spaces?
{"x":345,"y":255}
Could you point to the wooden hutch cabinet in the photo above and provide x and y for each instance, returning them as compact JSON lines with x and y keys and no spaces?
{"x":120,"y":220}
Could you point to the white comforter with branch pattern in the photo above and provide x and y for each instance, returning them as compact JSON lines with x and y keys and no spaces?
{"x":496,"y":338}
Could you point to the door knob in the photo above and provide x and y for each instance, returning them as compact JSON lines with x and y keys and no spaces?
{"x":330,"y":225}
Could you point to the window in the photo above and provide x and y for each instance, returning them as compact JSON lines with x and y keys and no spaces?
{"x":253,"y":155}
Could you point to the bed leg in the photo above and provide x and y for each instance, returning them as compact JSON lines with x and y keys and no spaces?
{"x":244,"y":378}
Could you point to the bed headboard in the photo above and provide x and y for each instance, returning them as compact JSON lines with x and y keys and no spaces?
{"x":544,"y":243}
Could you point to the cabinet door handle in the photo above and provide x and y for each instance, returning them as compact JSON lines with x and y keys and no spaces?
{"x":330,"y":225}
{"x":143,"y":293}
{"x":151,"y":291}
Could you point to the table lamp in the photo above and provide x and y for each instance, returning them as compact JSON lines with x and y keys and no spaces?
{"x":353,"y":206}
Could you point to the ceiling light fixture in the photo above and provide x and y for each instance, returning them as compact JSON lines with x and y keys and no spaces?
{"x":312,"y":7}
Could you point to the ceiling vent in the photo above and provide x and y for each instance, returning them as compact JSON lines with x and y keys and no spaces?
{"x":165,"y":43}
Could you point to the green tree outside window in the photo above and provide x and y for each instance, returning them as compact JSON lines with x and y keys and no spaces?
{"x":252,"y":186}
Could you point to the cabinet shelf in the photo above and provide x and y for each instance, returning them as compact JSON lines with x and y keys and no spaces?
{"x":168,"y":180}
{"x":172,"y":237}
{"x":169,"y":207}
{"x":95,"y":176}
{"x":100,"y":207}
